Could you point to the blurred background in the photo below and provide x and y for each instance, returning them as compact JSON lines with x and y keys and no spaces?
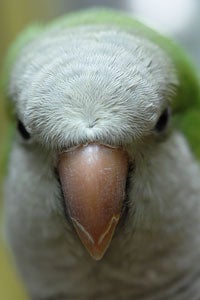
{"x":176,"y":18}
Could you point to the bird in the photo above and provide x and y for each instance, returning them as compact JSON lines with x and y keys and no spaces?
{"x":102,"y":192}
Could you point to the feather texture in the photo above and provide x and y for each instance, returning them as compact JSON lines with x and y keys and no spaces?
{"x":100,"y":76}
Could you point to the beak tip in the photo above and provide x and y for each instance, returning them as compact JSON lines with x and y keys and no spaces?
{"x":96,"y":246}
{"x":95,"y":254}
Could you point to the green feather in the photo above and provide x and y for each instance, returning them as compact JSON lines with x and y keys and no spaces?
{"x":23,"y":39}
{"x":186,"y":102}
{"x":26,"y":36}
{"x":189,"y":124}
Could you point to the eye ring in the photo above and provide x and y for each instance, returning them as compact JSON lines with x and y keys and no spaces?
{"x":22,"y":130}
{"x":163,"y":120}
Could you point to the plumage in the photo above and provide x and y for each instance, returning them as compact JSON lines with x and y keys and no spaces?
{"x":100,"y":80}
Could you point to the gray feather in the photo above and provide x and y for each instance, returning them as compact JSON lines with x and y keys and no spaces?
{"x":87,"y":84}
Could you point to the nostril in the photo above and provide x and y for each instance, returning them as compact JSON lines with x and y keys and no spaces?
{"x":92,"y":123}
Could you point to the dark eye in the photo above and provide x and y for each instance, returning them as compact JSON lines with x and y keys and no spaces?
{"x":163,"y":121}
{"x":22,"y":130}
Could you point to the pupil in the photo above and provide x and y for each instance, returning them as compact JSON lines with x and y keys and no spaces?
{"x":24,"y":133}
{"x":162,"y":122}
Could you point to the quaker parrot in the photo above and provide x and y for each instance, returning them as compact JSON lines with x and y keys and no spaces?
{"x":102,"y":196}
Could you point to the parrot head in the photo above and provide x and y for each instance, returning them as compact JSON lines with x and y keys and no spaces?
{"x":94,"y":99}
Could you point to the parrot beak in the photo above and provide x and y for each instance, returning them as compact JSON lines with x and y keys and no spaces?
{"x":93,"y":179}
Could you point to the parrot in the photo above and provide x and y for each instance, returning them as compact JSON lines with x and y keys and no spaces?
{"x":102,"y":192}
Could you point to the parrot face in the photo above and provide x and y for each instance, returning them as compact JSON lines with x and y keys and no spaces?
{"x":93,"y":100}
{"x":90,"y":98}
{"x":98,"y":165}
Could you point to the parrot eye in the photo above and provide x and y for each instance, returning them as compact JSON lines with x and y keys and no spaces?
{"x":22,"y":130}
{"x":163,"y":121}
